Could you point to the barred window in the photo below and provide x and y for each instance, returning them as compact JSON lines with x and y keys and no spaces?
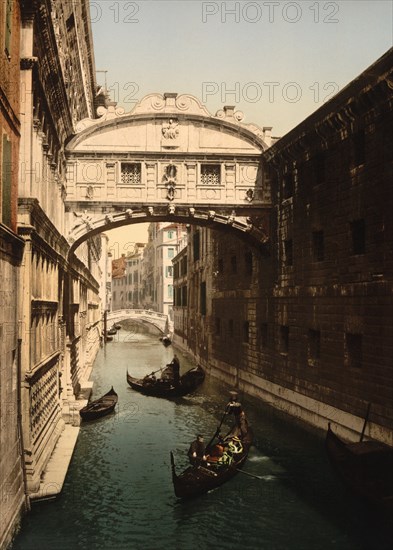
{"x":210,"y":174}
{"x":131,"y":173}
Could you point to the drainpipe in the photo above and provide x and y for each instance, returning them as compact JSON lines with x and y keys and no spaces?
{"x":19,"y":423}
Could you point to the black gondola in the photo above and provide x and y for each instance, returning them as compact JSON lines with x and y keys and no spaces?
{"x":112,"y":331}
{"x":201,"y":478}
{"x":366,"y":467}
{"x":100,"y":407}
{"x":166,"y":341}
{"x":189,"y":381}
{"x":117,"y":326}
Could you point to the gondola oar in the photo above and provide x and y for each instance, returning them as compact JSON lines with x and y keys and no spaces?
{"x":217,"y":431}
{"x":248,"y":474}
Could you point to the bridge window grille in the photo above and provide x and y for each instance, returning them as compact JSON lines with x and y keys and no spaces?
{"x":210,"y":174}
{"x":131,"y":173}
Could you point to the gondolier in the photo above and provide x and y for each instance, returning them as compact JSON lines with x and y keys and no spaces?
{"x":234,"y":407}
{"x":196,"y":452}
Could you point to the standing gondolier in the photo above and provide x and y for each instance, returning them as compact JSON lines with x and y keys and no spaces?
{"x":234,"y":407}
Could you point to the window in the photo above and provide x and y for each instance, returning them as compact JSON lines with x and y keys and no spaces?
{"x":359,"y":147}
{"x":176,"y":270}
{"x":220,"y":266}
{"x":6,"y":185}
{"x":248,"y":263}
{"x":218,"y":326}
{"x":210,"y":174}
{"x":288,"y":252}
{"x":246,"y":332}
{"x":171,"y":252}
{"x":233,"y":264}
{"x":203,"y":298}
{"x":184,"y":266}
{"x":196,"y":245}
{"x":230,"y":328}
{"x":318,"y":246}
{"x":131,"y":173}
{"x":169,"y":271}
{"x":170,"y":234}
{"x":314,"y":346}
{"x":353,"y":350}
{"x":358,"y":234}
{"x":287,"y":186}
{"x":170,"y":292}
{"x":319,"y":168}
{"x":263,"y":335}
{"x":177,"y":301}
{"x":184,"y":295}
{"x":284,"y":339}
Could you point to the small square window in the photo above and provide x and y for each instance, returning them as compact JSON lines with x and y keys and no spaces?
{"x":131,"y":173}
{"x":210,"y":174}
{"x":287,"y":186}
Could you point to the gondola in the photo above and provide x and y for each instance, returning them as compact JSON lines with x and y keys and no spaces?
{"x":189,"y":381}
{"x":117,"y":326}
{"x":100,"y":407}
{"x":166,"y":341}
{"x":199,"y":479}
{"x":112,"y":331}
{"x":366,"y":467}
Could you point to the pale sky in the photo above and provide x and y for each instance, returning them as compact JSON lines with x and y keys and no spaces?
{"x":276,"y":61}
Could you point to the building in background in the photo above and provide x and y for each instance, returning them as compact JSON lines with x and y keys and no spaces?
{"x":162,"y":247}
{"x":127,"y":280}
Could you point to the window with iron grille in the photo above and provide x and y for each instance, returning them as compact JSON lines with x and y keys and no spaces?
{"x":131,"y":173}
{"x":210,"y":174}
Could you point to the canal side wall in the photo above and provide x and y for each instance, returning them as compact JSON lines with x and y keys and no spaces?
{"x":308,"y":328}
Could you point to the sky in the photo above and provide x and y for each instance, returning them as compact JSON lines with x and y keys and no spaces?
{"x":277,"y":61}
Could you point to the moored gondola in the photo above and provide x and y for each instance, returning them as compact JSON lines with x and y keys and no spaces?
{"x":208,"y":474}
{"x":112,"y":331}
{"x":100,"y":407}
{"x":157,"y":387}
{"x":366,"y":467}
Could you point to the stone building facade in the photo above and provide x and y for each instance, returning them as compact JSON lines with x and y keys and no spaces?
{"x":308,"y":327}
{"x":127,"y":286}
{"x":12,"y":480}
{"x":59,"y":306}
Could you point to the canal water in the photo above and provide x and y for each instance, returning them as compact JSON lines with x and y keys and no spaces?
{"x":118,"y":494}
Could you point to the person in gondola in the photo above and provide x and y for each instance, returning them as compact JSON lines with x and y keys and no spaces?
{"x":234,"y":407}
{"x":175,"y":370}
{"x":196,"y":452}
{"x":149,"y":379}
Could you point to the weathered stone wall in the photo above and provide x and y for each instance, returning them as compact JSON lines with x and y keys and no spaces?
{"x":309,"y":327}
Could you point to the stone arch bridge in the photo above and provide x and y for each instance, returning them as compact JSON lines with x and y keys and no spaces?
{"x":159,"y":320}
{"x":168,"y":159}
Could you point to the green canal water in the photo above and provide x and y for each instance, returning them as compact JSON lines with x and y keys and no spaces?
{"x":118,"y":494}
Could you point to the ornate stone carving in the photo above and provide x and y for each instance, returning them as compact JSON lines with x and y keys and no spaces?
{"x":170,"y":129}
{"x":249,"y":195}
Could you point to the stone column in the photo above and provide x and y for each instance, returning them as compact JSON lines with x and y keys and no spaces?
{"x":151,"y":181}
{"x":230,"y":180}
{"x":191,"y":181}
